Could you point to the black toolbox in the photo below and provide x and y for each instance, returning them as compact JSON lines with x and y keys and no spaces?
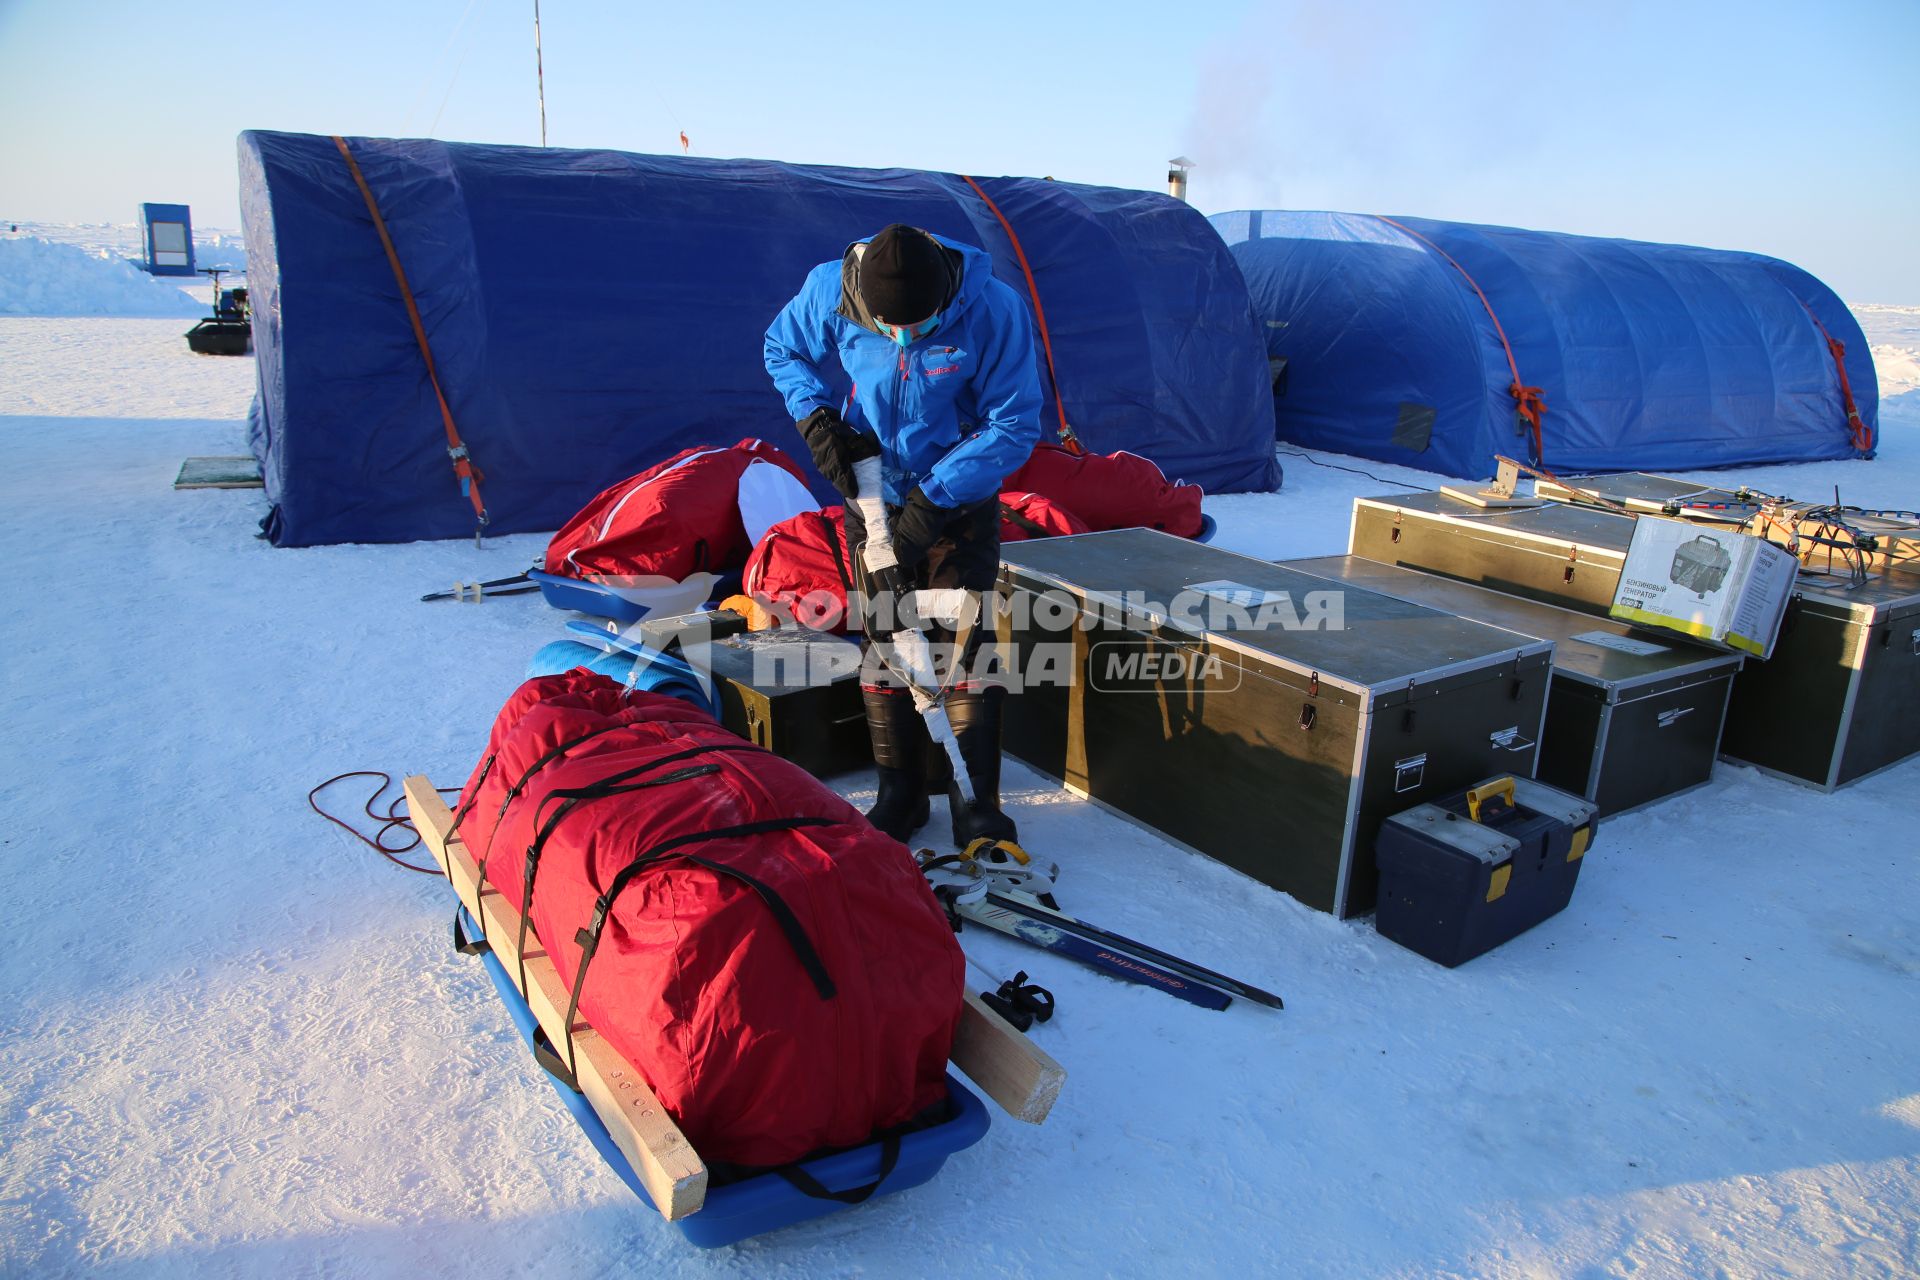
{"x":1463,"y":874}
{"x":794,"y":692}
{"x":1276,"y":749}
{"x":1631,"y":718}
{"x":1838,"y":700}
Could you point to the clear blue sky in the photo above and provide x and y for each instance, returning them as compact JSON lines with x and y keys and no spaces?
{"x":1792,"y":130}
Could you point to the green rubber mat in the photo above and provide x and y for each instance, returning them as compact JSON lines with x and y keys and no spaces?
{"x":219,"y":473}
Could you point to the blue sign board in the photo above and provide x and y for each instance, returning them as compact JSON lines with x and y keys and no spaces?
{"x":168,"y":234}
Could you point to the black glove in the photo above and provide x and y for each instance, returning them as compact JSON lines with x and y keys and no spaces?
{"x":836,"y":447}
{"x":918,"y":526}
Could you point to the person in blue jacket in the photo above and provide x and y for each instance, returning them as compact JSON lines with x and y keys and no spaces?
{"x":936,"y":373}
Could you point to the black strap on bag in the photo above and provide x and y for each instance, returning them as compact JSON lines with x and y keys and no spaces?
{"x":1021,"y":519}
{"x":808,"y":1185}
{"x":461,"y":943}
{"x":460,"y":815}
{"x":610,"y":784}
{"x":531,"y":866}
{"x":520,"y":784}
{"x":839,"y":553}
{"x":551,"y":1062}
{"x":572,"y":798}
{"x":554,"y":753}
{"x":588,"y":937}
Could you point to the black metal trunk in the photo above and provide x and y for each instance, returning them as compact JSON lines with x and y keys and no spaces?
{"x":1277,"y":750}
{"x":1629,"y":720}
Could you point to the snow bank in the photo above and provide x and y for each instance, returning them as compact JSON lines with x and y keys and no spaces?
{"x":1898,"y":367}
{"x":219,"y":249}
{"x":1894,"y":333}
{"x":40,"y":278}
{"x":212,"y":247}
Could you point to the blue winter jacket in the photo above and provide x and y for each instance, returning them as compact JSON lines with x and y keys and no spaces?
{"x":955,"y":412}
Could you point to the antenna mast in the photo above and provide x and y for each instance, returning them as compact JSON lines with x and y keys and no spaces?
{"x":539,"y":73}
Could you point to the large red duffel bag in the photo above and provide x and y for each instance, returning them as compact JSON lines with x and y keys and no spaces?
{"x":776,"y":969}
{"x":800,"y":571}
{"x":1034,"y":515}
{"x":1111,"y":490}
{"x":700,"y":511}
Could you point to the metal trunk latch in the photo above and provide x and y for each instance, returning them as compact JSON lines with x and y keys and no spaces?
{"x":1510,"y":739}
{"x":1409,"y":773}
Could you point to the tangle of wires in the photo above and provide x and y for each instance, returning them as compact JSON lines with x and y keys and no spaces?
{"x":1804,"y":531}
{"x":390,"y":820}
{"x":1834,"y":528}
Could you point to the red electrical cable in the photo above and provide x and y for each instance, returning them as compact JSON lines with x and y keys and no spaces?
{"x":1067,"y":437}
{"x":388,"y":821}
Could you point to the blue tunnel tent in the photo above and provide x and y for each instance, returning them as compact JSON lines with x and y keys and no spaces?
{"x":593,"y":312}
{"x":1647,"y":356}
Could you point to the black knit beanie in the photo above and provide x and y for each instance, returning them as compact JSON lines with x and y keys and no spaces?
{"x":903,"y":275}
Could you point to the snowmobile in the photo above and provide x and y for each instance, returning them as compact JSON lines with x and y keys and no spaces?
{"x":229,"y":330}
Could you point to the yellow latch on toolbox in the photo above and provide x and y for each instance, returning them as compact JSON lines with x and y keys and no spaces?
{"x":1497,"y":886}
{"x":1580,"y":840}
{"x":1477,"y":796}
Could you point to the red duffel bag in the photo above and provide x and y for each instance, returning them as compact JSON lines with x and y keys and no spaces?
{"x":571,"y":715}
{"x":800,"y":570}
{"x":1111,"y":490}
{"x":1034,"y":515}
{"x":777,"y":970}
{"x":679,"y":518}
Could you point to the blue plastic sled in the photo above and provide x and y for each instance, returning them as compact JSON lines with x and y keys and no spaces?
{"x":767,"y":1202}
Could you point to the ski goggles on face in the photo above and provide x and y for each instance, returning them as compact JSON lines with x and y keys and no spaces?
{"x":902,"y":334}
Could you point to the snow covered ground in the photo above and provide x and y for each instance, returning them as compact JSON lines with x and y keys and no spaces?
{"x":41,"y":278}
{"x":234,"y":1042}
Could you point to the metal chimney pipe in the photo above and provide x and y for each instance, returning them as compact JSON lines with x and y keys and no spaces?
{"x":1177,"y":177}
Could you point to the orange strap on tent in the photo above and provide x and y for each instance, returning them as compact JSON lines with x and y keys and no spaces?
{"x":1856,"y":425}
{"x":463,"y":466}
{"x":1530,"y":401}
{"x":1067,"y":438}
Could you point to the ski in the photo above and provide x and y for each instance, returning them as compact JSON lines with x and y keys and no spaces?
{"x":483,"y":590}
{"x":1138,"y":952}
{"x":1045,"y":933}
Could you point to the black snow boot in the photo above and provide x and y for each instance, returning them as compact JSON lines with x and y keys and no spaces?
{"x":899,"y":754}
{"x":975,"y":716}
